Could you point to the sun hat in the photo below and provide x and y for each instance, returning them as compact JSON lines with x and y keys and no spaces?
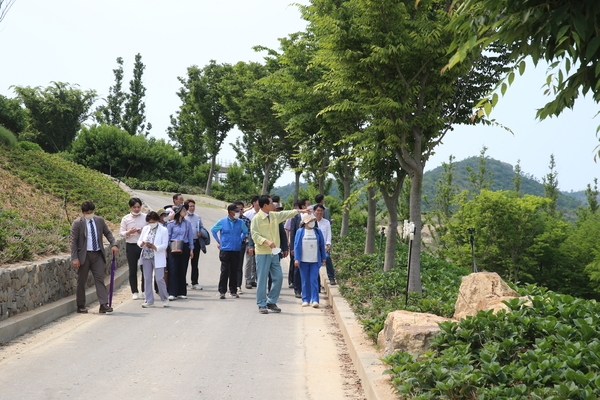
{"x":161,"y":211}
{"x":306,"y":218}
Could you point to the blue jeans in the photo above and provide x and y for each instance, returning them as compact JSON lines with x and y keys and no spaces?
{"x":329,"y":266}
{"x":265,"y":264}
{"x":310,"y":281}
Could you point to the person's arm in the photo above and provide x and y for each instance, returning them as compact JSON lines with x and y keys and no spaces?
{"x":74,"y":239}
{"x":162,"y":239}
{"x":123,"y":228}
{"x":143,"y":235}
{"x":216,"y":228}
{"x":190,"y":233}
{"x":109,"y":236}
{"x":298,"y":247}
{"x":283,"y":239}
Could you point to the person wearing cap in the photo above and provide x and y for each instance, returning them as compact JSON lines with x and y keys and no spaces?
{"x":162,"y":213}
{"x":265,"y":234}
{"x":309,"y":250}
{"x":180,"y":231}
{"x":229,"y":233}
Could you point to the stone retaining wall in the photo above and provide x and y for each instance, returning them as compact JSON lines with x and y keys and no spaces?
{"x":30,"y":286}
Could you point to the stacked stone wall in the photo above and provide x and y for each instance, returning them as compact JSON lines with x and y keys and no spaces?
{"x":29,"y":286}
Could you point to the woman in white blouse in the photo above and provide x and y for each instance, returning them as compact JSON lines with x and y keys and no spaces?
{"x":154,"y":240}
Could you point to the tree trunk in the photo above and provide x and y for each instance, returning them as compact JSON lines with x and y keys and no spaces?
{"x":414,"y":278}
{"x":371,"y":221}
{"x":297,"y":186}
{"x":346,"y":210}
{"x":391,"y":202}
{"x":321,"y":177}
{"x":267,"y":172}
{"x":213,"y":161}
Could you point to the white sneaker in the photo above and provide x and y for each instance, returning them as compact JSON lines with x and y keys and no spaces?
{"x":135,"y":296}
{"x":172,"y":298}
{"x":305,"y":304}
{"x":182,"y":297}
{"x":166,"y":303}
{"x":147,"y":305}
{"x":239,"y":290}
{"x":196,"y":287}
{"x":315,"y":305}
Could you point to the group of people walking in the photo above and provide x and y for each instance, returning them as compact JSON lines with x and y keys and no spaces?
{"x":171,"y":238}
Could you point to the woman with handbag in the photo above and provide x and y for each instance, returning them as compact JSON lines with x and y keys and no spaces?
{"x":153,"y":241}
{"x":181,"y":242}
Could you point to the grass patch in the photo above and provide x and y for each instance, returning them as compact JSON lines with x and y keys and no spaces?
{"x":33,"y":211}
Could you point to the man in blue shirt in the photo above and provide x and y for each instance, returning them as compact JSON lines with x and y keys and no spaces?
{"x":232,"y":232}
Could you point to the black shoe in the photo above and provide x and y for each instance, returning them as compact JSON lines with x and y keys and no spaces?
{"x":332,"y":282}
{"x":273,"y":308}
{"x":104,"y":308}
{"x":222,"y":297}
{"x":82,"y":310}
{"x":253,"y":284}
{"x":291,"y":286}
{"x":249,"y":286}
{"x":298,"y":295}
{"x":263,"y":310}
{"x":235,"y":295}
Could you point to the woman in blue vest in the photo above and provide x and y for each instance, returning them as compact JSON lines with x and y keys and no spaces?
{"x":309,"y":255}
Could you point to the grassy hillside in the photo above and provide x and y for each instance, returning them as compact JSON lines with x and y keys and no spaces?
{"x":40,"y":195}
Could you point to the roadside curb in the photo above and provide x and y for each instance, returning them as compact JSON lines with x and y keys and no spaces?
{"x":30,"y":320}
{"x":369,"y":367}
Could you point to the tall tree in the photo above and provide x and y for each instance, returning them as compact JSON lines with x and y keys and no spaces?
{"x":390,"y":54}
{"x":187,"y":126}
{"x":250,"y":99}
{"x":550,"y":182}
{"x":134,"y":116}
{"x":592,"y":196}
{"x":55,"y":113}
{"x":518,"y":178}
{"x":482,"y":179}
{"x":112,"y":112}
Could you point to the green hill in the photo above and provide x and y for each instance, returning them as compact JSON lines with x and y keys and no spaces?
{"x":502,"y":179}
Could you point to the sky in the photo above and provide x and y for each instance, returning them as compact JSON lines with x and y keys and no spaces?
{"x":79,"y":41}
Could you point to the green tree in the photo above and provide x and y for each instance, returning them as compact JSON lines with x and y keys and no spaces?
{"x":562,"y":33}
{"x":592,"y":196}
{"x":112,"y":112}
{"x":550,"y":182}
{"x":134,"y":115}
{"x":187,"y":126}
{"x":55,"y":113}
{"x":12,"y":115}
{"x":249,"y":100}
{"x":390,"y":54}
{"x":482,"y":179}
{"x":518,"y":178}
{"x":514,"y":236}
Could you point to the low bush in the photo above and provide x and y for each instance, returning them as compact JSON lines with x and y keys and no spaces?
{"x":373,"y":293}
{"x":7,"y":138}
{"x":549,"y":350}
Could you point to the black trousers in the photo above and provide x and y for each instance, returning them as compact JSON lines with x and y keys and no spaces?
{"x":178,"y":271}
{"x":230,"y":263}
{"x":194,"y":262}
{"x":240,"y":273}
{"x":133,"y":252}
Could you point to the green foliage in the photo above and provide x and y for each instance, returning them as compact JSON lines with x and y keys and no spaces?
{"x":236,"y":186}
{"x":134,"y":114}
{"x":29,"y":146}
{"x":373,"y":293}
{"x":547,"y":350}
{"x":112,"y":112}
{"x":7,"y":138}
{"x":563,"y":33}
{"x":113,"y":151}
{"x":12,"y":116}
{"x":161,"y":185}
{"x":55,"y":113}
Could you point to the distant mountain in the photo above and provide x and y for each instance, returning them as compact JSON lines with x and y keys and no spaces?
{"x":502,"y":179}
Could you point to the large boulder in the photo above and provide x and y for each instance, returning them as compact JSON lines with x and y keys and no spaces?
{"x":482,"y":291}
{"x":408,"y":331}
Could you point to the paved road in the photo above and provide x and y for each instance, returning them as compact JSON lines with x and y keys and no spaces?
{"x":199,"y":348}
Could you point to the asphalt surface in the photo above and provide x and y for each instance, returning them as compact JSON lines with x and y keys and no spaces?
{"x":199,"y":348}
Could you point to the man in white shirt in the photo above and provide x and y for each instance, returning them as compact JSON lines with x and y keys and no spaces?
{"x":131,"y":227}
{"x":325,"y":227}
